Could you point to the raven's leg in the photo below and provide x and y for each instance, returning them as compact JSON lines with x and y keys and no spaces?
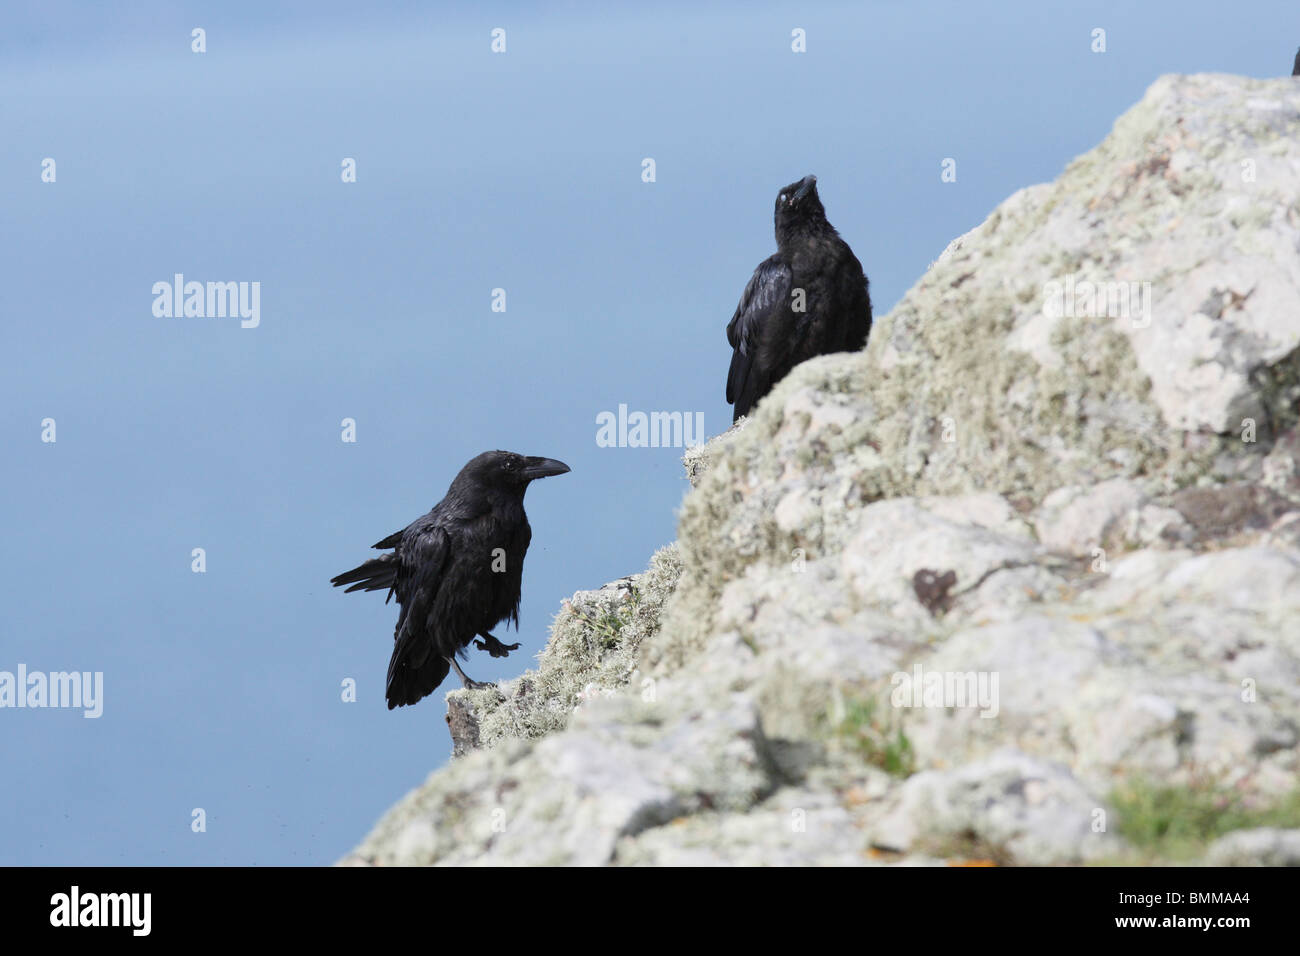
{"x":493,"y":646}
{"x":470,"y":684}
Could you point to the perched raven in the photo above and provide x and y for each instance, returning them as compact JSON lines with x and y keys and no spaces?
{"x":456,"y":572}
{"x":809,"y":299}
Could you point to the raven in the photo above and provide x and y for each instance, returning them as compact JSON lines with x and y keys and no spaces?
{"x":456,"y":572}
{"x":809,"y":299}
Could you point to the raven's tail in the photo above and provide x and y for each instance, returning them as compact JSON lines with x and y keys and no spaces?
{"x":745,"y":385}
{"x":375,"y":575}
{"x":414,"y":671}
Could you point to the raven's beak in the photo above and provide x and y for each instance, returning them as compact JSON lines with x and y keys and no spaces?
{"x":543,"y":468}
{"x":805,"y":184}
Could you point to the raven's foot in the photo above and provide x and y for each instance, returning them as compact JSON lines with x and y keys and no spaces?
{"x":493,"y":646}
{"x":466,"y":681}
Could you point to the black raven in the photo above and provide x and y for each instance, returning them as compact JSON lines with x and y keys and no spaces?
{"x":809,"y":299}
{"x":456,"y":572}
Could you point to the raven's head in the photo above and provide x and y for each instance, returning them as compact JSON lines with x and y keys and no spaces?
{"x":798,"y":207}
{"x":506,"y":471}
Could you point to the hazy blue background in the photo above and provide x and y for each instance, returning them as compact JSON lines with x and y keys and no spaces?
{"x":475,"y":171}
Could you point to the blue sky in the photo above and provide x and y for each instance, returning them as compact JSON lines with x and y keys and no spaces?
{"x":475,"y":171}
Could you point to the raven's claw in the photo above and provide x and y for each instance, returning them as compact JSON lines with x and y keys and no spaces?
{"x":495,"y":647}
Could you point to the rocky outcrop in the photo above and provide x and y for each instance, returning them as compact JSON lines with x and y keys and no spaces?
{"x":963,"y":595}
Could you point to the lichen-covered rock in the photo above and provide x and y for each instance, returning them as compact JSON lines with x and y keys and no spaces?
{"x":795,"y":827}
{"x":1010,"y":806}
{"x":977,"y":382}
{"x":1112,"y":514}
{"x":696,"y":459}
{"x":942,"y":600}
{"x":569,"y":798}
{"x":592,"y":651}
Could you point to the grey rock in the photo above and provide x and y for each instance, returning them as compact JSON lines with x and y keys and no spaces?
{"x":795,"y":827}
{"x":1076,"y":520}
{"x":568,"y":799}
{"x":1009,"y":807}
{"x":463,"y":725}
{"x":1219,"y":512}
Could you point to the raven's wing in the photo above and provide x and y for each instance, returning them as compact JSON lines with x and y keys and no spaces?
{"x":377,"y":573}
{"x":518,"y":548}
{"x":768,"y":290}
{"x":859,"y":325}
{"x":418,"y":665}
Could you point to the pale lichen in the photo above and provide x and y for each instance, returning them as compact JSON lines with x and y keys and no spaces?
{"x":592,"y":651}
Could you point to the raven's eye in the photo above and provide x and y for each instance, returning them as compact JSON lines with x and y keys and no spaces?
{"x":781,"y":198}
